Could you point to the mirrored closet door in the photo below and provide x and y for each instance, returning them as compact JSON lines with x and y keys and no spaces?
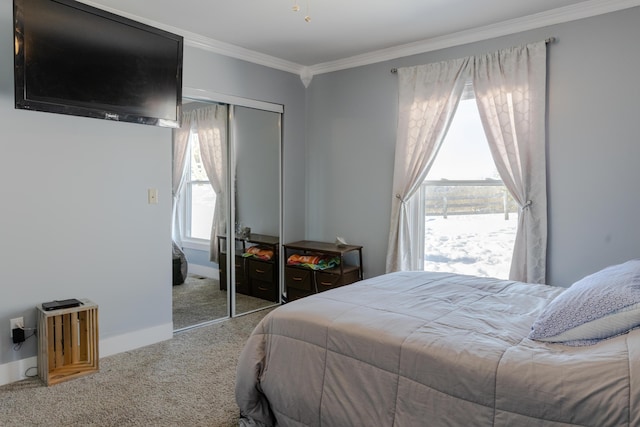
{"x":228,"y":201}
{"x":255,"y":140}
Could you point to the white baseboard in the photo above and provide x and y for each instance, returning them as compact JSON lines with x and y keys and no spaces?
{"x":201,"y":270}
{"x":136,"y":339}
{"x":15,"y":371}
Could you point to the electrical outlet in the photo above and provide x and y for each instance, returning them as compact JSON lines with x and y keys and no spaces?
{"x":18,"y":322}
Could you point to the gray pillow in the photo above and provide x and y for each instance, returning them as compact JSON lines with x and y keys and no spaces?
{"x":599,"y":306}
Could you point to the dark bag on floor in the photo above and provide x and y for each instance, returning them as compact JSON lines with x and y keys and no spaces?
{"x":180,"y":265}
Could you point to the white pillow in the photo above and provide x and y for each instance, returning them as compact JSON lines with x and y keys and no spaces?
{"x":599,"y":306}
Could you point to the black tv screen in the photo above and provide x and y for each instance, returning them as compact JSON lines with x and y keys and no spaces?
{"x":71,"y":58}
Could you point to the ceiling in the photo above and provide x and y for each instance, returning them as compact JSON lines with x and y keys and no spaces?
{"x":345,"y":33}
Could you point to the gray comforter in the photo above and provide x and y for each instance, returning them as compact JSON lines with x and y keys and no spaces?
{"x":430,"y":349}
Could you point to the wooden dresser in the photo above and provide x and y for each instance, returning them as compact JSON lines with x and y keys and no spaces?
{"x":302,"y":281}
{"x":254,"y":277}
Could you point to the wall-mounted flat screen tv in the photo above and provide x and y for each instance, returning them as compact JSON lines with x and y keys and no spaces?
{"x":71,"y":58}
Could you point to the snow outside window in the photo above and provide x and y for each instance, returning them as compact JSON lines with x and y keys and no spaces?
{"x":470,"y":219}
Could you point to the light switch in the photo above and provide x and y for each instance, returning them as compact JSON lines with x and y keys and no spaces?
{"x":153,"y":196}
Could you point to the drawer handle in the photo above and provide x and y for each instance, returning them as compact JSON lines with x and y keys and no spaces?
{"x":326,"y":283}
{"x":263,"y":289}
{"x":259,"y":271}
{"x":297,"y":279}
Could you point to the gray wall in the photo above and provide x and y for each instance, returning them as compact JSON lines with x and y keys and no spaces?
{"x":75,"y":221}
{"x":593,"y":146}
{"x":257,"y":138}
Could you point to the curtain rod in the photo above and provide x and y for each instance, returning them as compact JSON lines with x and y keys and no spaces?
{"x":547,"y":41}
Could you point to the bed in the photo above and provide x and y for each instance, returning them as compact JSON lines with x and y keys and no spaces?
{"x":438,"y":349}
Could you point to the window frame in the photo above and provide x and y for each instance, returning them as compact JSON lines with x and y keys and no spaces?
{"x":416,"y":208}
{"x":186,"y":199}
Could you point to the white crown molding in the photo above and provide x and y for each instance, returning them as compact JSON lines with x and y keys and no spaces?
{"x":306,"y":75}
{"x":539,"y":20}
{"x":556,"y":16}
{"x":238,"y":52}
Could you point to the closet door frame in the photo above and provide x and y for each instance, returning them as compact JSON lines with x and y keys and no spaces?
{"x":233,"y":101}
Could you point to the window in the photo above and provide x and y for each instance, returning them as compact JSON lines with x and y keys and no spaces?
{"x":198,"y":198}
{"x":470,"y":219}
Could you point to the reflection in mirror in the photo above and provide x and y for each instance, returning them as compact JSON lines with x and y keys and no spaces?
{"x":200,"y":162}
{"x":217,"y":141}
{"x":256,"y":139}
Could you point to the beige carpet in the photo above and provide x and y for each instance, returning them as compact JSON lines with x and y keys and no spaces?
{"x":186,"y":381}
{"x":199,"y":299}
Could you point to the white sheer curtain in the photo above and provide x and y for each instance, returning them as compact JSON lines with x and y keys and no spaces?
{"x":211,"y":125}
{"x":510,"y":88}
{"x":180,"y":150}
{"x":428,"y":97}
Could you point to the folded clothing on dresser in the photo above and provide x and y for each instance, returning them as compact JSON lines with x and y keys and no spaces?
{"x":314,"y":261}
{"x":260,"y":252}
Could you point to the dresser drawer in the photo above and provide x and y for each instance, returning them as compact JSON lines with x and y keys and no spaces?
{"x":242,"y":284}
{"x":294,"y":294}
{"x":259,"y":270}
{"x":264,"y":290}
{"x":329,"y":279}
{"x":223,"y":271}
{"x":239,"y":265}
{"x":298,"y":278}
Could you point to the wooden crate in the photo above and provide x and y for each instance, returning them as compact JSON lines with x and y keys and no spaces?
{"x":67,"y":342}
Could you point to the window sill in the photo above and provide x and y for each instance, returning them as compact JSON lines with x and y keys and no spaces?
{"x":199,"y":245}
